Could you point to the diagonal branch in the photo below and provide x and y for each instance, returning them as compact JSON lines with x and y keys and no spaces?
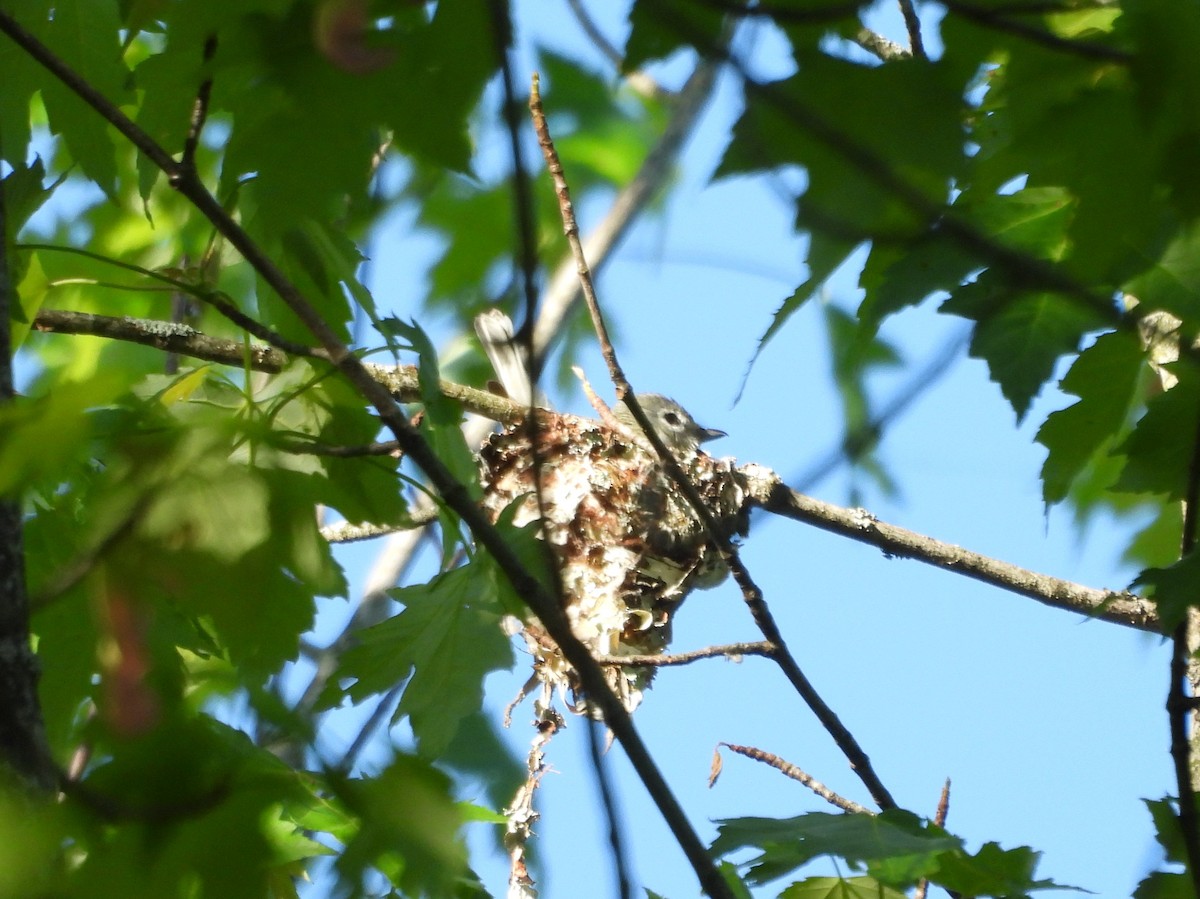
{"x":768,"y":491}
{"x":563,"y":293}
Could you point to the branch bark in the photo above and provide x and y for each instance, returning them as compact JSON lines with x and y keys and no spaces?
{"x":23,"y":747}
{"x":768,"y":491}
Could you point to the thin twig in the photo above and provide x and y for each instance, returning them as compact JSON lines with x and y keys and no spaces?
{"x":729,"y":555}
{"x":913,"y":25}
{"x":199,"y":108}
{"x":595,"y":35}
{"x":797,"y":774}
{"x":521,"y":813}
{"x":527,"y":254}
{"x":939,"y":818}
{"x":609,"y":802}
{"x":215,"y":298}
{"x":401,"y":380}
{"x":564,"y":291}
{"x":732,"y":651}
{"x":382,"y":710}
{"x":930,"y":373}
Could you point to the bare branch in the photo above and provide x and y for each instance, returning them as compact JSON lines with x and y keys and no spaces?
{"x":731,"y":651}
{"x":348,"y":532}
{"x":564,"y":292}
{"x":199,"y":108}
{"x":880,"y":46}
{"x":1181,"y":719}
{"x":913,"y":24}
{"x":401,"y":381}
{"x":797,"y":774}
{"x":769,"y":492}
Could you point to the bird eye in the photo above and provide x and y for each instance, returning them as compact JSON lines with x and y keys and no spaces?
{"x":671,"y":418}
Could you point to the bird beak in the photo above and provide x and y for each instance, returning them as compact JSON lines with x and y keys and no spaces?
{"x":707,"y":434}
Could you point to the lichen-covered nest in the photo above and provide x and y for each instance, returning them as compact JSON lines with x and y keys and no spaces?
{"x":628,"y":546}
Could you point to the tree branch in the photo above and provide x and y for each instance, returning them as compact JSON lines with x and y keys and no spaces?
{"x":913,"y":25}
{"x":23,"y":748}
{"x":1180,"y":718}
{"x":563,"y":293}
{"x":797,"y":774}
{"x":878,"y":45}
{"x":768,"y":491}
{"x":401,"y":380}
{"x":731,"y":651}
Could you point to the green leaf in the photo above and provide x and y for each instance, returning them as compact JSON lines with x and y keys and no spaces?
{"x":39,"y":436}
{"x":786,"y":844}
{"x":1033,"y":220}
{"x":447,"y":638}
{"x":1071,"y":121}
{"x":1020,"y":335}
{"x":840,"y":888}
{"x":86,"y":36}
{"x":895,"y":277}
{"x":880,"y":144}
{"x":1158,"y":453}
{"x":1163,"y":885}
{"x":1105,"y":377}
{"x":441,"y":425}
{"x":478,"y":751}
{"x":1163,"y":67}
{"x":21,"y":78}
{"x":1175,"y":589}
{"x":409,"y":829}
{"x":1172,"y":282}
{"x":992,"y":871}
{"x":658,"y":28}
{"x":31,"y":839}
{"x":198,"y":780}
{"x":1165,"y":813}
{"x":1157,"y":544}
{"x":169,"y":82}
{"x":825,"y":255}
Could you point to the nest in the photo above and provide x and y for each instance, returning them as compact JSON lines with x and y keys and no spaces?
{"x":628,"y":546}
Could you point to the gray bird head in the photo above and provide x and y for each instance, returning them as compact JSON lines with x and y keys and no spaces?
{"x":672,"y":423}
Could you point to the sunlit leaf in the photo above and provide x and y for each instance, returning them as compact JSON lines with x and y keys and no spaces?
{"x":1105,"y":377}
{"x":440,"y":646}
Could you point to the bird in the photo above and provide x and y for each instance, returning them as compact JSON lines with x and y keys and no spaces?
{"x":673,"y":424}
